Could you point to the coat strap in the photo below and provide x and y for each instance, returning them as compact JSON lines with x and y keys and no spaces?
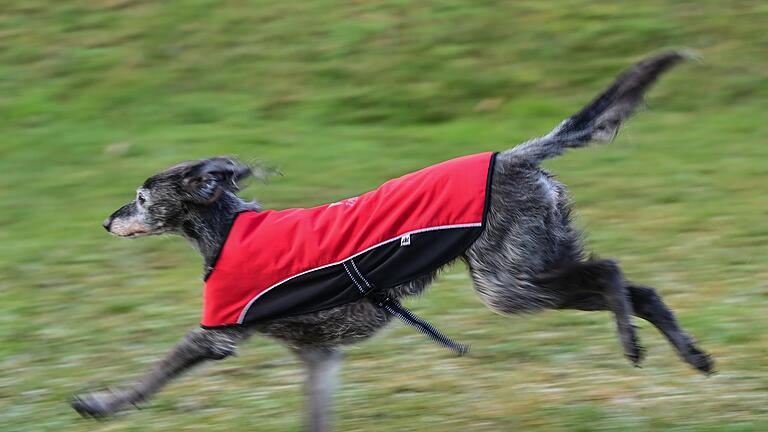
{"x":393,"y":307}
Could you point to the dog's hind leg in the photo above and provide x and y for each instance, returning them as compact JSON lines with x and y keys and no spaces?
{"x":603,"y":279}
{"x":323,"y":365}
{"x":649,"y":306}
{"x":197,"y":347}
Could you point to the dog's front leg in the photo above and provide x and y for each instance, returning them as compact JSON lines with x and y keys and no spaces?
{"x":197,"y":347}
{"x":323,"y":365}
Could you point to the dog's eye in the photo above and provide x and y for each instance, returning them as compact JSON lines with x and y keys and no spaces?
{"x":140,"y":199}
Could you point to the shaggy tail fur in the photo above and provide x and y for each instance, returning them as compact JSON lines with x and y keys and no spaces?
{"x":600,"y":119}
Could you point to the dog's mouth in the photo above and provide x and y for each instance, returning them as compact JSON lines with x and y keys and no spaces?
{"x":129,"y":229}
{"x":133,"y":234}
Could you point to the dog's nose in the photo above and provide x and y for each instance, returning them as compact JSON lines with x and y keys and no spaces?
{"x":107,"y":223}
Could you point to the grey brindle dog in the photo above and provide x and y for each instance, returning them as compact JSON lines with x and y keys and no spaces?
{"x":528,"y":258}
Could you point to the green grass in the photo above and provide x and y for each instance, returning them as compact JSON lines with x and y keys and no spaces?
{"x":97,"y":95}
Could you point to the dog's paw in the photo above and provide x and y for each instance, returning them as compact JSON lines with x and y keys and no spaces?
{"x":635,"y":354}
{"x":633,"y":350}
{"x":99,"y":405}
{"x":700,"y":360}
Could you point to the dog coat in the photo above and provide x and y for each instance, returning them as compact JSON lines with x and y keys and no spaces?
{"x":290,"y":262}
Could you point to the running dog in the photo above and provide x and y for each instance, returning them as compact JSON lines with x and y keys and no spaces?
{"x":519,"y":244}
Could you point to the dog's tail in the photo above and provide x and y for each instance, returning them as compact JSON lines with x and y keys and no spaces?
{"x":600,"y":119}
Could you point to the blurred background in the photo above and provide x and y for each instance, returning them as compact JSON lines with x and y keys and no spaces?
{"x":97,"y":95}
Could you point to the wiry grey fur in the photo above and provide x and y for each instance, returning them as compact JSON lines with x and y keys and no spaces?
{"x":528,"y":258}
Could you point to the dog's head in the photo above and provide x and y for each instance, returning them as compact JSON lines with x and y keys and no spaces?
{"x":171,"y":197}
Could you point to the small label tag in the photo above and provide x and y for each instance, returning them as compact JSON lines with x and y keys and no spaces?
{"x":405,"y":240}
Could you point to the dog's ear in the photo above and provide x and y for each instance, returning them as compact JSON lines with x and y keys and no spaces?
{"x":206,"y":180}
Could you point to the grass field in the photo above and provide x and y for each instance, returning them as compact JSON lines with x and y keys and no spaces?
{"x":97,"y":95}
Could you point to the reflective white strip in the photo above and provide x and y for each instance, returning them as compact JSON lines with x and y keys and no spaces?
{"x":248,"y":306}
{"x":354,"y":266}
{"x":359,"y":287}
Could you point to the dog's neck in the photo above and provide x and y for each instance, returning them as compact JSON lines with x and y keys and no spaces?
{"x":206,"y":227}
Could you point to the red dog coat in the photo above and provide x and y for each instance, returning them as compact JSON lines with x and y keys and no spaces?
{"x":294,"y":261}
